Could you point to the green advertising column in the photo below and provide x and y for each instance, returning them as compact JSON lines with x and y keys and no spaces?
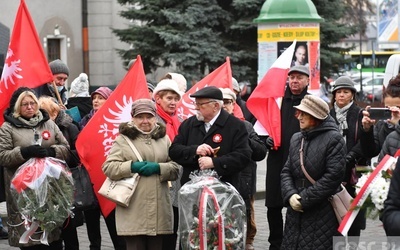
{"x":280,"y":23}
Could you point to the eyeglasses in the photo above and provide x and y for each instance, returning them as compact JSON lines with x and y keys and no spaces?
{"x":227,"y":102}
{"x":300,"y":113}
{"x":27,"y":104}
{"x":60,"y":78}
{"x":198,"y":104}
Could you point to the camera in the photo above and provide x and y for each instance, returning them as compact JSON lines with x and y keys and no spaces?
{"x":380,"y":113}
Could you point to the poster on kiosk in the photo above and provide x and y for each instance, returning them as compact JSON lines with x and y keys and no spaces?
{"x":274,"y":38}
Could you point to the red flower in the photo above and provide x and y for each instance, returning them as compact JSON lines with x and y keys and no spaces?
{"x":46,"y":135}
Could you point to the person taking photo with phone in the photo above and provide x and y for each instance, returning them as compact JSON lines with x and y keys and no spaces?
{"x":374,"y":132}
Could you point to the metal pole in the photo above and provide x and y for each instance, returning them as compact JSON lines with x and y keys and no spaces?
{"x":85,"y":37}
{"x":361,"y":64}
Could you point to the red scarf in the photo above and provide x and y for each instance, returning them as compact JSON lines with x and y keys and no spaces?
{"x":171,"y":121}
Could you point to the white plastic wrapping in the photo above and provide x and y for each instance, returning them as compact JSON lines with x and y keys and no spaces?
{"x":212,"y":214}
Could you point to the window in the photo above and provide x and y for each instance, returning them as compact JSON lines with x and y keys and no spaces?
{"x":53,"y":49}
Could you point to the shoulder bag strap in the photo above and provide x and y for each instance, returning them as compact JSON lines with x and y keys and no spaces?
{"x":133,"y":148}
{"x":302,"y":163}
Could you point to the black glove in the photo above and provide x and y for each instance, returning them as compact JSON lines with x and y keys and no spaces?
{"x":51,"y":152}
{"x":269,"y":142}
{"x":350,"y":159}
{"x":34,"y":151}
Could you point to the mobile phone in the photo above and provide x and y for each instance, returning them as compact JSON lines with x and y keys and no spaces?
{"x":380,"y":113}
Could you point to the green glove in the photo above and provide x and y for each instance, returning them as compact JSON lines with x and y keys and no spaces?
{"x":150,"y":168}
{"x":135,"y":166}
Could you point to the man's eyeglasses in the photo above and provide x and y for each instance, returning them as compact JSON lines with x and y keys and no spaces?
{"x":227,"y":102}
{"x":27,"y":104}
{"x":198,"y":104}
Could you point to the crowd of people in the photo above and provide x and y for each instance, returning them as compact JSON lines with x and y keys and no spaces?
{"x":318,"y":141}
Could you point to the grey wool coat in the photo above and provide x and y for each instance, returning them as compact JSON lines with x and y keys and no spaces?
{"x":150,"y":210}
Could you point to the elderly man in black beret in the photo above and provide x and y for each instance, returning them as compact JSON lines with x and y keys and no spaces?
{"x":213,"y":139}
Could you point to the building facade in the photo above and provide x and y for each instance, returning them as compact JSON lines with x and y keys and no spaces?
{"x":78,"y":32}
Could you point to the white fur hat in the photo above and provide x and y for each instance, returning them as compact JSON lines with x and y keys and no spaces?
{"x":180,"y":80}
{"x":80,"y":86}
{"x":167,"y":84}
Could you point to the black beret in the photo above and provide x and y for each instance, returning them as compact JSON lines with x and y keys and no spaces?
{"x":211,"y":92}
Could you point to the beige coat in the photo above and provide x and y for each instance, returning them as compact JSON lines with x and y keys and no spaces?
{"x":13,"y":136}
{"x":150,"y":210}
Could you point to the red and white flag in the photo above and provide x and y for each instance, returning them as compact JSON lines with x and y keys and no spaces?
{"x":220,"y":78}
{"x":95,"y":140}
{"x":386,"y":163}
{"x":265,"y":101}
{"x":26,"y":64}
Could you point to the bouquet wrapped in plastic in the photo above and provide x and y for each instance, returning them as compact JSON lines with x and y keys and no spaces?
{"x":43,"y":191}
{"x":212,"y":214}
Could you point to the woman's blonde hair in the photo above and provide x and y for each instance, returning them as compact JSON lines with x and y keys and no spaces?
{"x":17,"y":107}
{"x":49,"y":105}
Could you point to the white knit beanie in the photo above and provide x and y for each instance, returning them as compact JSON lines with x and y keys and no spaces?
{"x":80,"y":86}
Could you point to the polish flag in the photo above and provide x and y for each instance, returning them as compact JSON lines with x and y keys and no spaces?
{"x":220,"y":78}
{"x":26,"y":64}
{"x":265,"y":101}
{"x":95,"y":140}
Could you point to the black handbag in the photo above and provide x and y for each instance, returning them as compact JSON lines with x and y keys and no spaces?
{"x":84,"y":196}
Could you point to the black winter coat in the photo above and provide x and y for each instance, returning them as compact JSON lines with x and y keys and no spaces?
{"x":277,"y":158}
{"x":372,"y":141}
{"x":391,"y":212}
{"x":353,"y":147}
{"x":248,"y":176}
{"x":228,"y":132}
{"x":84,"y":104}
{"x":324,"y":152}
{"x":391,"y":144}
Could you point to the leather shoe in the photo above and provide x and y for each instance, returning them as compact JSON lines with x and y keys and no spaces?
{"x":3,"y":233}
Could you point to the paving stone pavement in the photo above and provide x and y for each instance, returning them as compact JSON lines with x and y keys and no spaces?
{"x":374,"y":227}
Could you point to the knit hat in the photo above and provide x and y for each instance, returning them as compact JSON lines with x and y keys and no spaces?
{"x":103,"y":91}
{"x":142,"y":106}
{"x":300,"y":69}
{"x":314,"y":106}
{"x":228,"y":94}
{"x":235,"y":85}
{"x":80,"y":86}
{"x":344,"y":82}
{"x":180,"y":80}
{"x":167,"y":84}
{"x":58,"y":67}
{"x":150,"y":86}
